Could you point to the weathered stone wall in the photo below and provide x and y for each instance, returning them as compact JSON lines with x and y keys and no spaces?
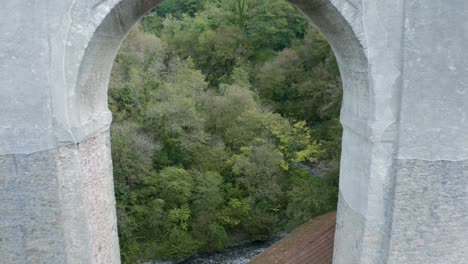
{"x":404,"y":177}
{"x":58,"y":205}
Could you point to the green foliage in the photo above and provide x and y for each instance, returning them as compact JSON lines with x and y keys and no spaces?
{"x":131,"y":80}
{"x":133,"y":162}
{"x":269,"y":24}
{"x":261,"y":225}
{"x":220,"y":51}
{"x":247,"y":127}
{"x":178,"y":8}
{"x":309,"y":197}
{"x":277,"y":81}
{"x":303,"y":84}
{"x":218,"y":107}
{"x":207,"y":195}
{"x":176,"y":244}
{"x":174,"y":186}
{"x":274,"y":25}
{"x":235,"y":212}
{"x":223,"y":109}
{"x":258,"y":169}
{"x":151,"y":23}
{"x":229,"y":33}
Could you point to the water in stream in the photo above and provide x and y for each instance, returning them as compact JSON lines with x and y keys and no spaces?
{"x":233,"y":255}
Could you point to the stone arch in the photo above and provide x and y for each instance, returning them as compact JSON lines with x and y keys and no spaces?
{"x":339,"y":21}
{"x":404,"y":163}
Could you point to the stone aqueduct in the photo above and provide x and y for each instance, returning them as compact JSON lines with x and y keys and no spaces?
{"x":404,"y":174}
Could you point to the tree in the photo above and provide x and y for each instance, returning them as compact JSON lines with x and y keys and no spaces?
{"x":176,"y":244}
{"x":249,"y":126}
{"x":308,"y":197}
{"x":207,"y":200}
{"x":134,"y":76}
{"x":293,"y":140}
{"x":174,"y":186}
{"x":178,"y":8}
{"x":220,"y":51}
{"x":207,"y":194}
{"x":277,"y":81}
{"x":274,"y":25}
{"x":222,"y":110}
{"x":131,"y":153}
{"x":259,"y":169}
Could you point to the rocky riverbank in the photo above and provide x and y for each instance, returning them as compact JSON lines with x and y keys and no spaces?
{"x":241,"y":254}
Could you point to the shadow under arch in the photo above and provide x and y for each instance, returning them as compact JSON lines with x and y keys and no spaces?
{"x":96,"y":66}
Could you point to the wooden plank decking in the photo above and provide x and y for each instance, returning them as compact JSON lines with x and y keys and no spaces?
{"x":311,"y":243}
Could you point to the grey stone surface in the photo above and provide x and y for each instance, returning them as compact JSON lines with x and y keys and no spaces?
{"x":58,"y":205}
{"x":436,"y":76}
{"x":430,"y":218}
{"x":403,"y":184}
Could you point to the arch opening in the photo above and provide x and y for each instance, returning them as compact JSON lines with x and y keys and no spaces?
{"x":97,"y":63}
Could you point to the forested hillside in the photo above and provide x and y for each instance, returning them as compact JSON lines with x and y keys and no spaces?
{"x":222,"y":109}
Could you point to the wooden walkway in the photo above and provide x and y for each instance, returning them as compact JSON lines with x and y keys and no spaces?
{"x":311,"y":243}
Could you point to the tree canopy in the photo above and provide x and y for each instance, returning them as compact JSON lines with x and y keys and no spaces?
{"x":222,"y":108}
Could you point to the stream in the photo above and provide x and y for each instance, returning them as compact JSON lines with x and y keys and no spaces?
{"x":241,"y":254}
